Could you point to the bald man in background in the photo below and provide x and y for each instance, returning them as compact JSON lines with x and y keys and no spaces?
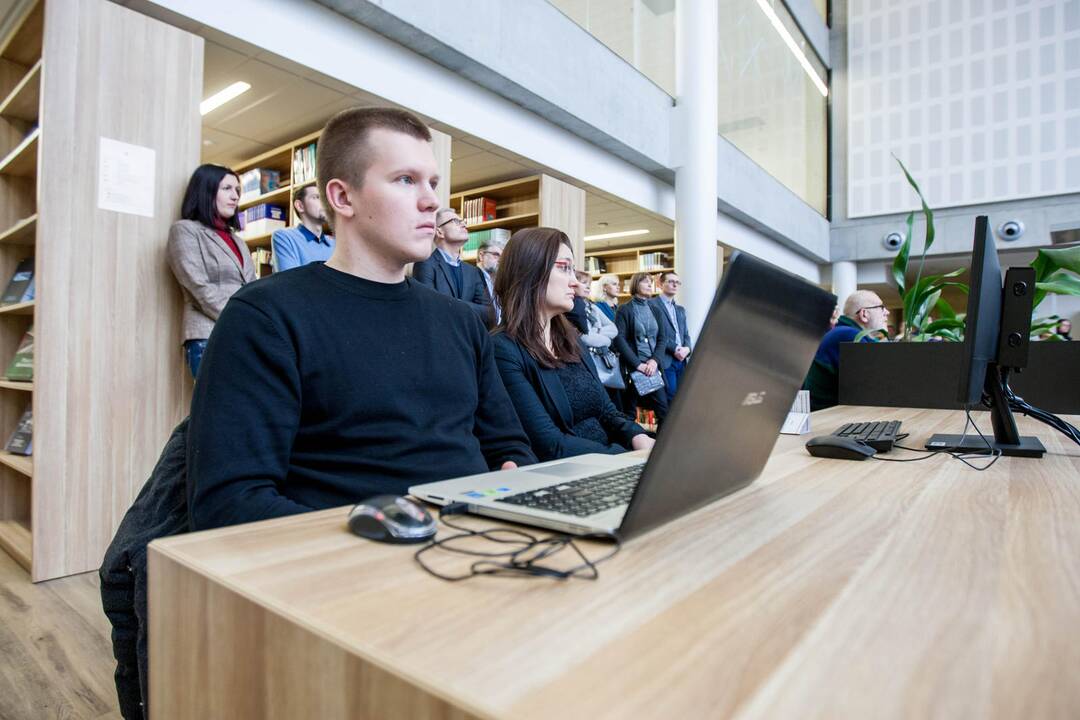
{"x":863,"y":310}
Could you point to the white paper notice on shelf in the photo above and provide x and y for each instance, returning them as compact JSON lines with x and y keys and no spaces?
{"x":125,"y":177}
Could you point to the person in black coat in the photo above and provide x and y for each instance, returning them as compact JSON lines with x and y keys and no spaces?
{"x":559,"y":399}
{"x":644,"y":344}
{"x":448,"y":274}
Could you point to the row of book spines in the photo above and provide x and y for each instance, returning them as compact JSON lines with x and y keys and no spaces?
{"x":493,"y":236}
{"x":262,"y":260}
{"x":21,"y":367}
{"x":478,"y":210}
{"x":257,"y":182}
{"x":304,"y":164}
{"x":654,"y":260}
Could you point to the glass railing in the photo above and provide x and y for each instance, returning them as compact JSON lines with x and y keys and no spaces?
{"x":773,"y":103}
{"x":641,"y":32}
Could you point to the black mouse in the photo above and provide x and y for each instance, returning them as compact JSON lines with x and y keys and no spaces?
{"x":841,"y":448}
{"x":391,"y":519}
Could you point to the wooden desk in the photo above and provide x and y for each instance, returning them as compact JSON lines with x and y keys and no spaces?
{"x":826,"y":589}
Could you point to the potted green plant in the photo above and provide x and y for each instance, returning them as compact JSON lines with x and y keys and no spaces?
{"x":916,"y":373}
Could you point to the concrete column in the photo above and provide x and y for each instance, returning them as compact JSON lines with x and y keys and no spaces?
{"x":844,"y":280}
{"x":694,"y":141}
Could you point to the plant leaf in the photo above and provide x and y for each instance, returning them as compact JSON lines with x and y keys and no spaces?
{"x":945,"y":310}
{"x":1060,"y":283}
{"x":899,"y":266}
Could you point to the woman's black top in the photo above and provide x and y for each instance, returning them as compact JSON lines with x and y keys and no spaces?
{"x":587,"y":401}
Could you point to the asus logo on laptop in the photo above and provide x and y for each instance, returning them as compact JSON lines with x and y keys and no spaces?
{"x":754,"y":398}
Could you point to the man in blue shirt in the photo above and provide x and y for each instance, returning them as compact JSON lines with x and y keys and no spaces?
{"x":863,"y":310}
{"x":305,"y":243}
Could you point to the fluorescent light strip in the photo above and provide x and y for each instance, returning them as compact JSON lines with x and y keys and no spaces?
{"x":793,"y":46}
{"x":215,"y":101}
{"x":624,"y":233}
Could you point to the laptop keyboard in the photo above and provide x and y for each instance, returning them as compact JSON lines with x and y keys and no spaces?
{"x":583,"y":497}
{"x":878,"y":435}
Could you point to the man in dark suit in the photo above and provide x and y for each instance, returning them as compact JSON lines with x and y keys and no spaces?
{"x":675,"y":317}
{"x":447,"y":273}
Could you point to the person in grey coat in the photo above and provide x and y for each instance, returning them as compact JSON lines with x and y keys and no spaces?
{"x":209,"y":261}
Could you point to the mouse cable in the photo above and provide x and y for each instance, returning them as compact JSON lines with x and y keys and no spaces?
{"x":962,"y":457}
{"x":522,"y":559}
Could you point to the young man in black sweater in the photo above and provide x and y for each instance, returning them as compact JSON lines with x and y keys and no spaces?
{"x":329,"y":383}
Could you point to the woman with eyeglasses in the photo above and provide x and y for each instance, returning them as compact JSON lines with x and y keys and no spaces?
{"x":643,"y":344}
{"x":558,"y":397}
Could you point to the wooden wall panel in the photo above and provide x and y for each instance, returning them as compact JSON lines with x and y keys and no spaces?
{"x":441,"y":145}
{"x":562,"y":206}
{"x":110,"y":380}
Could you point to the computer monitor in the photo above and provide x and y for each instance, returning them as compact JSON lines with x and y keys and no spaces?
{"x":996,"y":336}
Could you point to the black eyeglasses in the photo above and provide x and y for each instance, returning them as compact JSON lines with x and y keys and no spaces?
{"x":459,"y":221}
{"x":874,"y":307}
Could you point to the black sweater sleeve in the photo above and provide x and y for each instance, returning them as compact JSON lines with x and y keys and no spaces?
{"x":624,"y":341}
{"x":244,"y":415}
{"x":497,"y":426}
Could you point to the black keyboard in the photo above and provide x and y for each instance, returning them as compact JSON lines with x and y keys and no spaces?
{"x":583,"y":497}
{"x":879,"y":435}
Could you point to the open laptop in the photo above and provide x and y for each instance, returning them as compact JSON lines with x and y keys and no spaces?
{"x":750,"y":359}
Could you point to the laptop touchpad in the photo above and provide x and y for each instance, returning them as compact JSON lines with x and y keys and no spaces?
{"x":567,"y":469}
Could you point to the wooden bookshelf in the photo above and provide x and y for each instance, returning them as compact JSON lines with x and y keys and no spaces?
{"x":23,"y":308}
{"x":22,"y":463}
{"x":22,"y":232}
{"x":16,"y":540}
{"x":22,"y":102}
{"x":279,"y":196}
{"x":22,"y":160}
{"x":626,"y":262}
{"x":100,"y":416}
{"x":532,"y":201}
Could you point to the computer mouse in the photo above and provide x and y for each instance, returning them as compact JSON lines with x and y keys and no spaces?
{"x":840,"y":448}
{"x":391,"y":519}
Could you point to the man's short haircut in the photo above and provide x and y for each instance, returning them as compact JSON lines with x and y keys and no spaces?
{"x":665,"y":275}
{"x":486,"y":244}
{"x":441,"y":213}
{"x":300,"y":192}
{"x":858,"y":300}
{"x":344,"y":152}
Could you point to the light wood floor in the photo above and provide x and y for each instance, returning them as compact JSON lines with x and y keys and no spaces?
{"x":55,"y":653}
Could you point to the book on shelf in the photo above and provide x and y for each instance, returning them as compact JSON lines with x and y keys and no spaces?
{"x":261,"y":259}
{"x":654,"y":261}
{"x":21,"y":441}
{"x":478,"y":210}
{"x":494,"y":236}
{"x":261,"y":219}
{"x":21,"y":367}
{"x":258,"y":181}
{"x":594,"y":264}
{"x":21,"y":286}
{"x":303,"y":164}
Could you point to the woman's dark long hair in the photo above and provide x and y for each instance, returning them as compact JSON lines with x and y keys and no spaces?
{"x":521,"y":287}
{"x":200,"y":198}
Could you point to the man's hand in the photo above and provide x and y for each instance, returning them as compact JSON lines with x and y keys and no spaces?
{"x":681,"y":353}
{"x":642,"y":442}
{"x":509,"y":465}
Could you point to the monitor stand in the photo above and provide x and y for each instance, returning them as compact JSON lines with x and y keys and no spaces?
{"x":1006,"y":438}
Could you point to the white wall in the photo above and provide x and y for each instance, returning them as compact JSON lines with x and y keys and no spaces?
{"x":979,"y":98}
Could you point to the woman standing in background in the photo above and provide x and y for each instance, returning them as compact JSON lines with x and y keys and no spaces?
{"x":205,"y":255}
{"x":642,"y":342}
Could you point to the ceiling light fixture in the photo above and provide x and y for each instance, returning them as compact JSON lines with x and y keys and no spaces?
{"x":624,"y":233}
{"x":215,"y":101}
{"x":793,"y":46}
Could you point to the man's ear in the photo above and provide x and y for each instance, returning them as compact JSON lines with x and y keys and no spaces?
{"x":338,"y":198}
